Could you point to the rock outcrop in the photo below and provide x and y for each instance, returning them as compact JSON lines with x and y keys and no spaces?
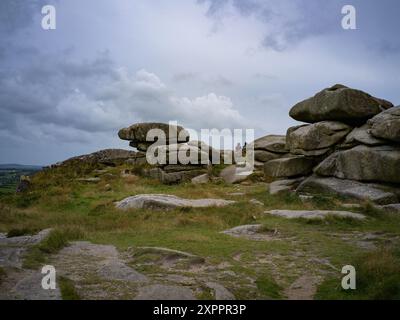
{"x":363,"y":163}
{"x":352,"y":146}
{"x":316,"y":139}
{"x":292,"y":166}
{"x":109,"y":157}
{"x":386,"y":125}
{"x":268,"y":148}
{"x":362,"y":135}
{"x":165,"y":152}
{"x":142,"y":135}
{"x":339,"y":103}
{"x":349,"y":189}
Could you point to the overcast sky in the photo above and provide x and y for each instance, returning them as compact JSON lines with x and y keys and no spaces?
{"x":206,"y":64}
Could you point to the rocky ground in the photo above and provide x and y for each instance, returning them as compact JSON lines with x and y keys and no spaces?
{"x":283,"y":263}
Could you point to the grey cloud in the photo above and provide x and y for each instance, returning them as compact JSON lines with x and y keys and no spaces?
{"x":97,"y":97}
{"x":19,"y":14}
{"x":288,"y":22}
{"x":184,"y":76}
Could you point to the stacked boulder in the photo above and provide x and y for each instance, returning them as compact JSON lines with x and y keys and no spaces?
{"x":268,"y":148}
{"x":174,"y":159}
{"x":350,"y":147}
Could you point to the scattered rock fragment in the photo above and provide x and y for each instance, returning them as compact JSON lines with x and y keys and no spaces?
{"x":252,"y":232}
{"x":314,"y":214}
{"x":168,"y":202}
{"x":164,"y":292}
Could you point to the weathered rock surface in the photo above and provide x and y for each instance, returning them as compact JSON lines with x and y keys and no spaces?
{"x":30,"y":288}
{"x":235,"y":174}
{"x":391,"y":208}
{"x":19,"y":283}
{"x":380,"y":194}
{"x":170,"y":253}
{"x":118,"y":270}
{"x":386,"y":125}
{"x":283,"y":186}
{"x":363,"y":163}
{"x":165,"y":292}
{"x":138,"y":132}
{"x":362,"y":135}
{"x":289,"y":167}
{"x":339,"y":103}
{"x":177,"y":154}
{"x":215,"y":156}
{"x":12,"y":249}
{"x":303,"y":288}
{"x":271,"y":143}
{"x":107,"y":157}
{"x":185,"y":174}
{"x":265,"y":156}
{"x":202,"y":179}
{"x":168,"y":202}
{"x":220,"y":292}
{"x":317,"y":136}
{"x":315,"y":214}
{"x":250,"y":232}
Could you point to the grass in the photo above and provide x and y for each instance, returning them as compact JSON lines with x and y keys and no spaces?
{"x":377,"y":278}
{"x":20,"y":232}
{"x":268,"y":287}
{"x":68,"y":290}
{"x":2,"y":274}
{"x":79,"y":210}
{"x":56,"y":240}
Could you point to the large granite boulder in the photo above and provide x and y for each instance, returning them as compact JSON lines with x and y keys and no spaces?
{"x":137,"y":133}
{"x":265,"y":156}
{"x":271,"y":143}
{"x":292,"y":166}
{"x":279,"y":187}
{"x":173,"y":174}
{"x":168,"y":202}
{"x":363,"y":163}
{"x":339,"y":103}
{"x":361,"y":135}
{"x":177,"y":154}
{"x":236,"y":174}
{"x":316,"y":137}
{"x":328,"y":186}
{"x":215,"y":156}
{"x":386,"y":125}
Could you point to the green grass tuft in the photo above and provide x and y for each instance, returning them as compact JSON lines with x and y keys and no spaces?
{"x":56,"y":240}
{"x":68,"y":290}
{"x":17,"y":232}
{"x":377,"y":278}
{"x":268,"y":287}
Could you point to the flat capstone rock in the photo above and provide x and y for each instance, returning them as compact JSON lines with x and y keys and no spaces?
{"x":168,"y":202}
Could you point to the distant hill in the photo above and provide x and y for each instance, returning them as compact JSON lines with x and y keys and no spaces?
{"x":10,"y":166}
{"x":10,"y":174}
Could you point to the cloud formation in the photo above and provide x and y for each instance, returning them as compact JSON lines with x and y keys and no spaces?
{"x":73,"y":102}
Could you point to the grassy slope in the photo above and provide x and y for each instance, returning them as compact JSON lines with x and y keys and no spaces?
{"x":58,"y":200}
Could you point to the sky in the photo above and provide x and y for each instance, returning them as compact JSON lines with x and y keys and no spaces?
{"x":204,"y":63}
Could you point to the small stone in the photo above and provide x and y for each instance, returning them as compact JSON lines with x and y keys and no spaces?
{"x":202,"y":179}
